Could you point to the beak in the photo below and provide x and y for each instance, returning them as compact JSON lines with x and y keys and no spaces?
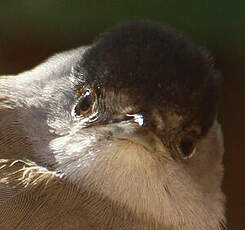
{"x":133,"y":129}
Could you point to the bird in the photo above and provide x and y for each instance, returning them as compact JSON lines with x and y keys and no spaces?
{"x":119,"y":135}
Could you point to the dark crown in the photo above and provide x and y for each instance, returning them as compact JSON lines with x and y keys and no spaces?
{"x":159,"y":64}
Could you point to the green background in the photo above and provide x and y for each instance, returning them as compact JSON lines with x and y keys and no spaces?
{"x":30,"y":31}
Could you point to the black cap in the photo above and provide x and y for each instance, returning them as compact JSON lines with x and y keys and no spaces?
{"x":159,"y":66}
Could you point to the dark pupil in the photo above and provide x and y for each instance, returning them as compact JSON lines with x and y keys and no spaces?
{"x":187,"y":145}
{"x":84,"y":104}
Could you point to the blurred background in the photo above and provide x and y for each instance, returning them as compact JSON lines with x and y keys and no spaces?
{"x":31,"y":31}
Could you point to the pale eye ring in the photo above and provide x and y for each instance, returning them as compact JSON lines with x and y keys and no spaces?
{"x":84,"y":104}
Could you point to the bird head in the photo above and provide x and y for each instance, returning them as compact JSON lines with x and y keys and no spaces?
{"x":132,"y":118}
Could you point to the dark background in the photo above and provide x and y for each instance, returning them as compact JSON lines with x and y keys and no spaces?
{"x":31,"y":31}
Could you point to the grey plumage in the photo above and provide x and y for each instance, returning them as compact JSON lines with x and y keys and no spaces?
{"x":138,"y":154}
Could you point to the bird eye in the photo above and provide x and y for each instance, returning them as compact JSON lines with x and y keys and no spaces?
{"x":84,"y":104}
{"x":187,"y":146}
